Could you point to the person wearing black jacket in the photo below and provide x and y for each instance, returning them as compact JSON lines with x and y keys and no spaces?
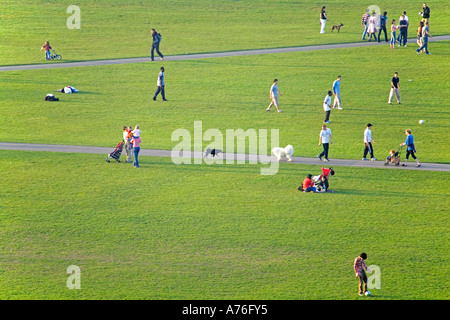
{"x":155,"y":44}
{"x":426,"y":15}
{"x":383,"y":20}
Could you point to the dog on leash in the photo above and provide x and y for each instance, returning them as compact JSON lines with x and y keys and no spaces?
{"x":338,"y":27}
{"x":286,"y":152}
{"x":212,"y":152}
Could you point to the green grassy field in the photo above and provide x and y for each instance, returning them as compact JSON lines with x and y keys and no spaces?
{"x":148,"y":234}
{"x":117,"y":29}
{"x":232,"y":93}
{"x":218,"y":232}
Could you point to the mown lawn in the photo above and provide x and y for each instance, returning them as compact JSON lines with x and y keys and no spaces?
{"x":232,"y":93}
{"x":119,"y":29}
{"x":168,"y":231}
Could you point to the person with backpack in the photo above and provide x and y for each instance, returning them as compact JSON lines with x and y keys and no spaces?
{"x":155,"y":44}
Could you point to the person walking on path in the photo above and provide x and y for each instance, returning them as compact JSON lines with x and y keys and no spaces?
{"x":323,"y":20}
{"x":46,"y":47}
{"x":337,"y":93}
{"x":368,"y":140}
{"x":273,"y":95}
{"x":327,"y":107}
{"x":358,"y":266}
{"x":419,"y":34}
{"x":395,"y":89}
{"x":383,"y":20}
{"x":372,"y":28}
{"x":426,"y":15}
{"x":161,"y":86}
{"x":155,"y":45}
{"x":393,"y":34}
{"x":136,"y":141}
{"x":410,"y":150}
{"x":365,"y":23}
{"x":424,"y":40}
{"x":325,"y":139}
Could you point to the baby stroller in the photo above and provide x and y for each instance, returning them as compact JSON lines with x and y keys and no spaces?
{"x":116,"y":153}
{"x":393,"y":157}
{"x":54,"y":55}
{"x":321,"y":181}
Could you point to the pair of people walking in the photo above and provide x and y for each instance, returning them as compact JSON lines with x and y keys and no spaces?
{"x":132,"y":142}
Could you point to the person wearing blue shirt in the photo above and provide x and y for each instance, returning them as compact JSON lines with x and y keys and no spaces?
{"x":410,"y":150}
{"x":155,"y":45}
{"x":383,"y":20}
{"x":337,"y":93}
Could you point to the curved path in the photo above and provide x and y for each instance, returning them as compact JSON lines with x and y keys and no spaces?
{"x":50,"y":65}
{"x":231,"y":156}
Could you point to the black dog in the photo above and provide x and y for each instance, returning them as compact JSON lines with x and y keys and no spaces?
{"x":338,"y":27}
{"x":213,"y":152}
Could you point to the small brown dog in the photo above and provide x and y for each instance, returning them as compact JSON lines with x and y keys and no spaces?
{"x":338,"y":27}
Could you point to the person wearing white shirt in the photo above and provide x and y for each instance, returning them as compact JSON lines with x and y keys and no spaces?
{"x":327,"y":107}
{"x":273,"y":95}
{"x":368,"y":140}
{"x":161,"y":86}
{"x":325,"y":139}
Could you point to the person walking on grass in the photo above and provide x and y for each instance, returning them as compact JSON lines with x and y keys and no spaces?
{"x":161,"y":86}
{"x":424,"y":40}
{"x":383,"y":20}
{"x":136,"y":141}
{"x":368,"y":140}
{"x":419,"y":35}
{"x":395,"y":89}
{"x":323,"y":20}
{"x":327,"y":107}
{"x":325,"y":139}
{"x":358,"y":266}
{"x":337,"y":93}
{"x":410,"y":150}
{"x":155,"y":45}
{"x":273,"y":95}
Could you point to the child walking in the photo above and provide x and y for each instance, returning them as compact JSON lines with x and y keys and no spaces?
{"x":47,"y":48}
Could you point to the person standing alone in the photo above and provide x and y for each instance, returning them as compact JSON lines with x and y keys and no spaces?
{"x":323,"y":20}
{"x":325,"y":139}
{"x":395,"y":89}
{"x":358,"y":266}
{"x":337,"y":93}
{"x":155,"y":45}
{"x":161,"y":85}
{"x":327,"y":107}
{"x":273,"y":94}
{"x":368,"y":143}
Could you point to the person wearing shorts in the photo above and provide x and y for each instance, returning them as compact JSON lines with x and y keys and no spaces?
{"x":273,"y":94}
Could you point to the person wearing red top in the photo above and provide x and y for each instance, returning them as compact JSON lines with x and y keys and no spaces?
{"x":308,"y":185}
{"x":359,"y":266}
{"x":47,"y":48}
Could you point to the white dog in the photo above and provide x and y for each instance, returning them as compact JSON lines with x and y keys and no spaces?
{"x":283,"y":152}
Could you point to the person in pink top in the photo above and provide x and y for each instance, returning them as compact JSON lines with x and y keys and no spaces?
{"x":359,"y":266}
{"x":136,"y":141}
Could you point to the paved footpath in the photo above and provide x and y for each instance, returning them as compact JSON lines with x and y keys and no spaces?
{"x":51,"y":64}
{"x":225,"y":156}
